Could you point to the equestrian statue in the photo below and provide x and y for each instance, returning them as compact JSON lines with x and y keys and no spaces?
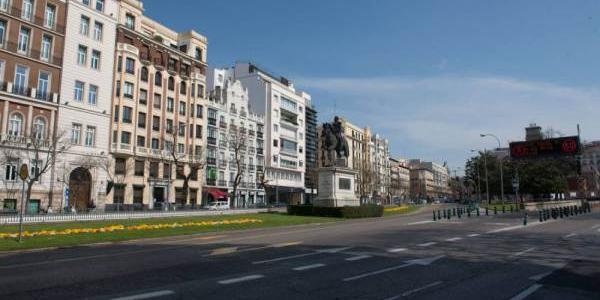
{"x":333,"y":142}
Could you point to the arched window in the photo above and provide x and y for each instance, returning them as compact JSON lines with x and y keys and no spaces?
{"x":39,"y":128}
{"x":183,"y":88}
{"x":171,"y":84}
{"x":15,"y":125}
{"x":144,"y":74}
{"x":158,"y":79}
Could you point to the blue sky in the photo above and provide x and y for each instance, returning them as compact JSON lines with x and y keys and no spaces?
{"x":429,"y":75}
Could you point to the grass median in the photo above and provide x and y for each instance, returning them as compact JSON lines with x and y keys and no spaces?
{"x":399,"y":210}
{"x":80,"y":233}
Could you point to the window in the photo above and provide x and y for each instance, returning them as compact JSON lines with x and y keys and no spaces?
{"x":275,"y":143}
{"x":167,"y":171}
{"x":39,"y":128}
{"x":84,"y":25}
{"x":182,"y":108}
{"x":144,"y":74}
{"x":155,"y":123}
{"x":27,"y":10}
{"x":158,"y":79}
{"x":128,"y":90}
{"x":141,"y":141}
{"x":2,"y":31}
{"x":90,"y":136}
{"x":156,"y":101}
{"x":130,"y":65}
{"x":125,"y":137}
{"x":82,"y":55}
{"x":118,"y":89}
{"x":86,"y":2}
{"x":93,"y":95}
{"x":23,"y":44}
{"x":127,"y":114}
{"x":138,"y":195}
{"x":275,"y":127}
{"x":46,"y":48}
{"x":15,"y":125}
{"x":100,"y":5}
{"x":199,"y":110}
{"x":95,"y":62}
{"x":183,"y":88}
{"x":199,"y":131}
{"x":170,"y":104}
{"x":171,"y":83}
{"x":181,"y":129}
{"x":169,"y":126}
{"x":143,"y":96}
{"x":200,"y":91}
{"x":130,"y":21}
{"x":116,"y":115}
{"x":43,"y":85}
{"x":11,"y":171}
{"x":34,"y":170}
{"x":79,"y":87}
{"x":140,"y":165}
{"x":75,"y":134}
{"x":180,"y":148}
{"x":21,"y":75}
{"x":98,"y":31}
{"x":4,"y":5}
{"x":49,"y":16}
{"x":198,"y":54}
{"x":119,"y":63}
{"x":141,"y":120}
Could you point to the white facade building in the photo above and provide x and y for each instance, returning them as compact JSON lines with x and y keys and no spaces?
{"x":232,"y":127}
{"x":283,"y":108}
{"x":85,"y":110}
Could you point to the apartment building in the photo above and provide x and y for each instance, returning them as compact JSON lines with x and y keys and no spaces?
{"x":158,"y":114}
{"x":429,"y":179}
{"x":235,"y":143}
{"x":399,"y":179}
{"x":32,"y":34}
{"x":284,"y":109}
{"x":379,"y":155}
{"x":590,"y":167}
{"x":85,"y":109}
{"x":311,"y":178}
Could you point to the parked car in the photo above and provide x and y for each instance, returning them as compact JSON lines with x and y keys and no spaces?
{"x":218,"y":205}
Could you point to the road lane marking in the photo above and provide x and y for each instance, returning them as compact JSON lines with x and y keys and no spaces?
{"x":334,"y":250}
{"x":360,"y":257}
{"x":454,"y":239}
{"x":497,"y":224}
{"x":427,"y":244}
{"x":304,"y":268}
{"x":408,"y":293}
{"x":569,"y":235}
{"x":146,"y":295}
{"x":524,"y":294}
{"x":281,"y":245}
{"x":420,"y":222}
{"x":474,"y":235}
{"x":224,"y":250}
{"x":396,"y":250}
{"x":241,"y":279}
{"x":541,"y":276}
{"x":377,"y":272}
{"x":523,"y":252}
{"x":595,"y":226}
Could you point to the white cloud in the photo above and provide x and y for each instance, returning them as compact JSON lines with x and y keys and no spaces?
{"x":440,"y":118}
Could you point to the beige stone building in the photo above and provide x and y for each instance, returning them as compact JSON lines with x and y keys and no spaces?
{"x":158,"y":114}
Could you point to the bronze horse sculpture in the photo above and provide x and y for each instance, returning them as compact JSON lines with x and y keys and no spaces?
{"x":333,"y":141}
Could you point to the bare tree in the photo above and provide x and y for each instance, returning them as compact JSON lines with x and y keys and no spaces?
{"x":185,"y":166}
{"x":366,"y":177}
{"x":237,"y":146}
{"x":10,"y":184}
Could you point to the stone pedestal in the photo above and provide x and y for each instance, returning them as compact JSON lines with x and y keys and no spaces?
{"x":336,"y":187}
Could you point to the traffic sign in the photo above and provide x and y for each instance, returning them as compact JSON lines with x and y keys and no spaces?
{"x":24,"y":172}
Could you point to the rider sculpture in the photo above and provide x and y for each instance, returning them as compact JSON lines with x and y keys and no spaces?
{"x":334,"y":144}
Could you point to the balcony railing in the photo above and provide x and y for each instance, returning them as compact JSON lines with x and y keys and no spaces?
{"x":259,"y":135}
{"x":212,"y":141}
{"x":22,"y":140}
{"x":222,"y":163}
{"x":31,"y":53}
{"x":223,"y":144}
{"x":212,"y":121}
{"x":211,"y":161}
{"x":260,"y":151}
{"x":17,"y":12}
{"x":223,"y":124}
{"x":211,"y":182}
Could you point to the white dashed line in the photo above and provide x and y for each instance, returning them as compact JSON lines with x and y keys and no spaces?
{"x":146,"y":295}
{"x":360,"y":257}
{"x":569,"y":235}
{"x":420,"y":222}
{"x":474,"y":235}
{"x":524,"y":294}
{"x":407,"y":293}
{"x":395,"y":250}
{"x":540,"y":276}
{"x":304,"y":268}
{"x":523,"y":252}
{"x":454,"y":239}
{"x":427,"y":244}
{"x":241,"y":279}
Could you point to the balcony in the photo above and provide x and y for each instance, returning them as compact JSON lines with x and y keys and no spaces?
{"x":260,"y":151}
{"x":212,"y":121}
{"x":211,"y":182}
{"x":222,"y":183}
{"x":34,"y":54}
{"x":211,"y":161}
{"x":223,"y":125}
{"x":25,"y":91}
{"x":259,"y":169}
{"x":16,"y":12}
{"x":251,"y":132}
{"x":212,"y":141}
{"x":222,"y":164}
{"x":259,"y":135}
{"x":24,"y":141}
{"x":232,"y":127}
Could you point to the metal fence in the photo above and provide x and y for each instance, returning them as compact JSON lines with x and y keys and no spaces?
{"x":102,"y":216}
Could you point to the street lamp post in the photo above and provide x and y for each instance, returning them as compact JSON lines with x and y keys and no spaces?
{"x":487,"y":182}
{"x":501,"y":165}
{"x":478,"y":178}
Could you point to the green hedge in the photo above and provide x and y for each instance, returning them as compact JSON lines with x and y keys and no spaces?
{"x":350,"y":212}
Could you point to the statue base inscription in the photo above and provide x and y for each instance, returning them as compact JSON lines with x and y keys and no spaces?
{"x":336,"y":187}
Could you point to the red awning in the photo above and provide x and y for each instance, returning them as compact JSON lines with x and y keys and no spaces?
{"x":216,"y":193}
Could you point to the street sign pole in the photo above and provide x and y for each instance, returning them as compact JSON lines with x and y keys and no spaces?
{"x":23,"y":174}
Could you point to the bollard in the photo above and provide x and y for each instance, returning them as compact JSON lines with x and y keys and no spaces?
{"x":449,"y":214}
{"x":459,"y":214}
{"x":511,"y":209}
{"x":454,"y":211}
{"x":566,"y":210}
{"x":495,"y":210}
{"x":560,"y":212}
{"x":540,"y":216}
{"x":439,"y":215}
{"x":525,"y":219}
{"x":486,"y":211}
{"x":468,"y":213}
{"x":478,"y":211}
{"x":576,"y":210}
{"x":444,"y":213}
{"x":434,"y":218}
{"x":554,"y":215}
{"x":503,"y":209}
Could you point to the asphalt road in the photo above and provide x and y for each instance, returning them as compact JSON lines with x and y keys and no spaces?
{"x":492,"y":257}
